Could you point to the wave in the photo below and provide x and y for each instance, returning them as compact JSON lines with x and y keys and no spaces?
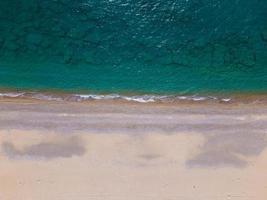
{"x":95,"y":97}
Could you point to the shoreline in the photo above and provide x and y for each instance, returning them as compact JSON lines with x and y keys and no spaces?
{"x":222,"y":98}
{"x":127,"y":115}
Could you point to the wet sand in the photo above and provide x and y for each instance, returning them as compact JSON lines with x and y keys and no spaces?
{"x":109,"y":150}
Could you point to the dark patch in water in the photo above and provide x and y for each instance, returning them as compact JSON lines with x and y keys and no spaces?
{"x":64,"y":149}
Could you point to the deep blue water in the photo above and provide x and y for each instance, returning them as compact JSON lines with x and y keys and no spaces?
{"x":147,"y":46}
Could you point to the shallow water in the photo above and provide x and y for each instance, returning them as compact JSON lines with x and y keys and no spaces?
{"x":164,"y":47}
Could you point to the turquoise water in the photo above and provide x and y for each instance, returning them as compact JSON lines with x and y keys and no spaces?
{"x":134,"y":46}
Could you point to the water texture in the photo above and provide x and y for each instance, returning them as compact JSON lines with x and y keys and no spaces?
{"x":147,"y":46}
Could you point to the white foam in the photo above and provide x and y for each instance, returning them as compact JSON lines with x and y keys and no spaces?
{"x":226,"y":100}
{"x":11,"y":94}
{"x":88,"y":97}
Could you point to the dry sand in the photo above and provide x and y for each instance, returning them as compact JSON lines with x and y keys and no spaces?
{"x":119,"y":151}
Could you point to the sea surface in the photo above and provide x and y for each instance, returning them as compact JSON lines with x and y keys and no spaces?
{"x":138,"y":49}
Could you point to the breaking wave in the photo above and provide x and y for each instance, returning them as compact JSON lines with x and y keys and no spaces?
{"x":99,"y":97}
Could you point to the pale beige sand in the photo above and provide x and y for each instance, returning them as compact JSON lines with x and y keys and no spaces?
{"x":116,"y":151}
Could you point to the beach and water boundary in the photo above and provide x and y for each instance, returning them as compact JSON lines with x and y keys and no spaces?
{"x":133,"y":100}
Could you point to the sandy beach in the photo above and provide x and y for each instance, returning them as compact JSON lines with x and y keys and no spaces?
{"x":132,"y":151}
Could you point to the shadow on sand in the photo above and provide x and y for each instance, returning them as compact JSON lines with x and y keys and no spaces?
{"x":63,"y":149}
{"x":229,"y":149}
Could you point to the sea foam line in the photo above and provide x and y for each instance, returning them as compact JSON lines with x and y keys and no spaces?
{"x":90,"y":97}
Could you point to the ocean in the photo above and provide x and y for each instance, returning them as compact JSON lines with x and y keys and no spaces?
{"x":138,"y":49}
